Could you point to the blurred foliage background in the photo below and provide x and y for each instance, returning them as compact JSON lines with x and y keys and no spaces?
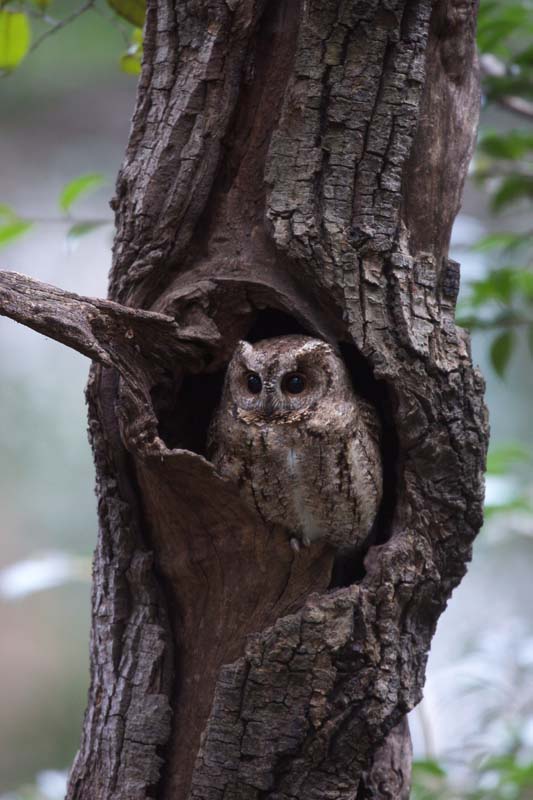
{"x":67,"y":84}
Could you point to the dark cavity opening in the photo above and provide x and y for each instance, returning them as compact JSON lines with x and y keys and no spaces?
{"x":270,"y":322}
{"x":185,"y":411}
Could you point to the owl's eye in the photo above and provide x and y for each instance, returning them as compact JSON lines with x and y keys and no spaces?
{"x":254,"y":383}
{"x":293,"y":382}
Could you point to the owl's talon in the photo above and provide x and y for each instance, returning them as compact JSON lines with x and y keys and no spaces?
{"x":295,"y":545}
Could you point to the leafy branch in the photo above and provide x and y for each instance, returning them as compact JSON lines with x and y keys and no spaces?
{"x":59,"y":24}
{"x":12,"y":226}
{"x":502,"y":301}
{"x":16,"y":30}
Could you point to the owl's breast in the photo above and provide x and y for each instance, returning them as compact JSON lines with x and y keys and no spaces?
{"x":318,"y":477}
{"x":288,"y":467}
{"x":309,"y":523}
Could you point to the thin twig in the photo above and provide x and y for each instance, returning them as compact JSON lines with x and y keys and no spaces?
{"x":42,"y":16}
{"x":56,"y":25}
{"x":62,"y":23}
{"x":114,"y":20}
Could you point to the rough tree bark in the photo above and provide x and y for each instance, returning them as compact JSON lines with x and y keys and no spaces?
{"x":293,"y":165}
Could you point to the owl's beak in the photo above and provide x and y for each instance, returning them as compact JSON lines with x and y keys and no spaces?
{"x":269,"y":406}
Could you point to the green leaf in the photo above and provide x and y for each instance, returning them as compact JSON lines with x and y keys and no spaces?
{"x":503,"y":240}
{"x":42,"y":5}
{"x":498,"y":21}
{"x":130,"y":64}
{"x":429,"y":766}
{"x":131,"y":10}
{"x":523,"y":280}
{"x":511,"y":771}
{"x":131,"y":60}
{"x":73,"y":190}
{"x":511,"y":189}
{"x":80,"y":229}
{"x":12,"y":230}
{"x":518,"y":504}
{"x":499,"y":285}
{"x":11,"y":226}
{"x":501,"y":350}
{"x":511,"y":145}
{"x":524,"y":57}
{"x":514,"y":84}
{"x":502,"y":457}
{"x":14,"y":38}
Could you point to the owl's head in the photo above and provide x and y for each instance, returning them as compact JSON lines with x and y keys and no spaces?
{"x":275,"y":378}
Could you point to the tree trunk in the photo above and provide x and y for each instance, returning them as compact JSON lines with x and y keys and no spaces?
{"x":292,"y":166}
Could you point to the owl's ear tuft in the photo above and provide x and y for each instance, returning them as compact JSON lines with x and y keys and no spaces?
{"x":312,"y":345}
{"x":310,"y":350}
{"x":244,"y":350}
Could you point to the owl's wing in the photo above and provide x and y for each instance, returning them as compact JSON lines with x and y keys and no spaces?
{"x":221,"y":449}
{"x":212,"y":437}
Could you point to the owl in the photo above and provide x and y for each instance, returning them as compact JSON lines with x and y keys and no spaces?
{"x":300,"y":444}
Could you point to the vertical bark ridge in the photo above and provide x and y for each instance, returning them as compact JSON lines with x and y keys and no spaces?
{"x":128,"y":718}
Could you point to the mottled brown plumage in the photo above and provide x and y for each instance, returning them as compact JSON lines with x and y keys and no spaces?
{"x":300,"y":444}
